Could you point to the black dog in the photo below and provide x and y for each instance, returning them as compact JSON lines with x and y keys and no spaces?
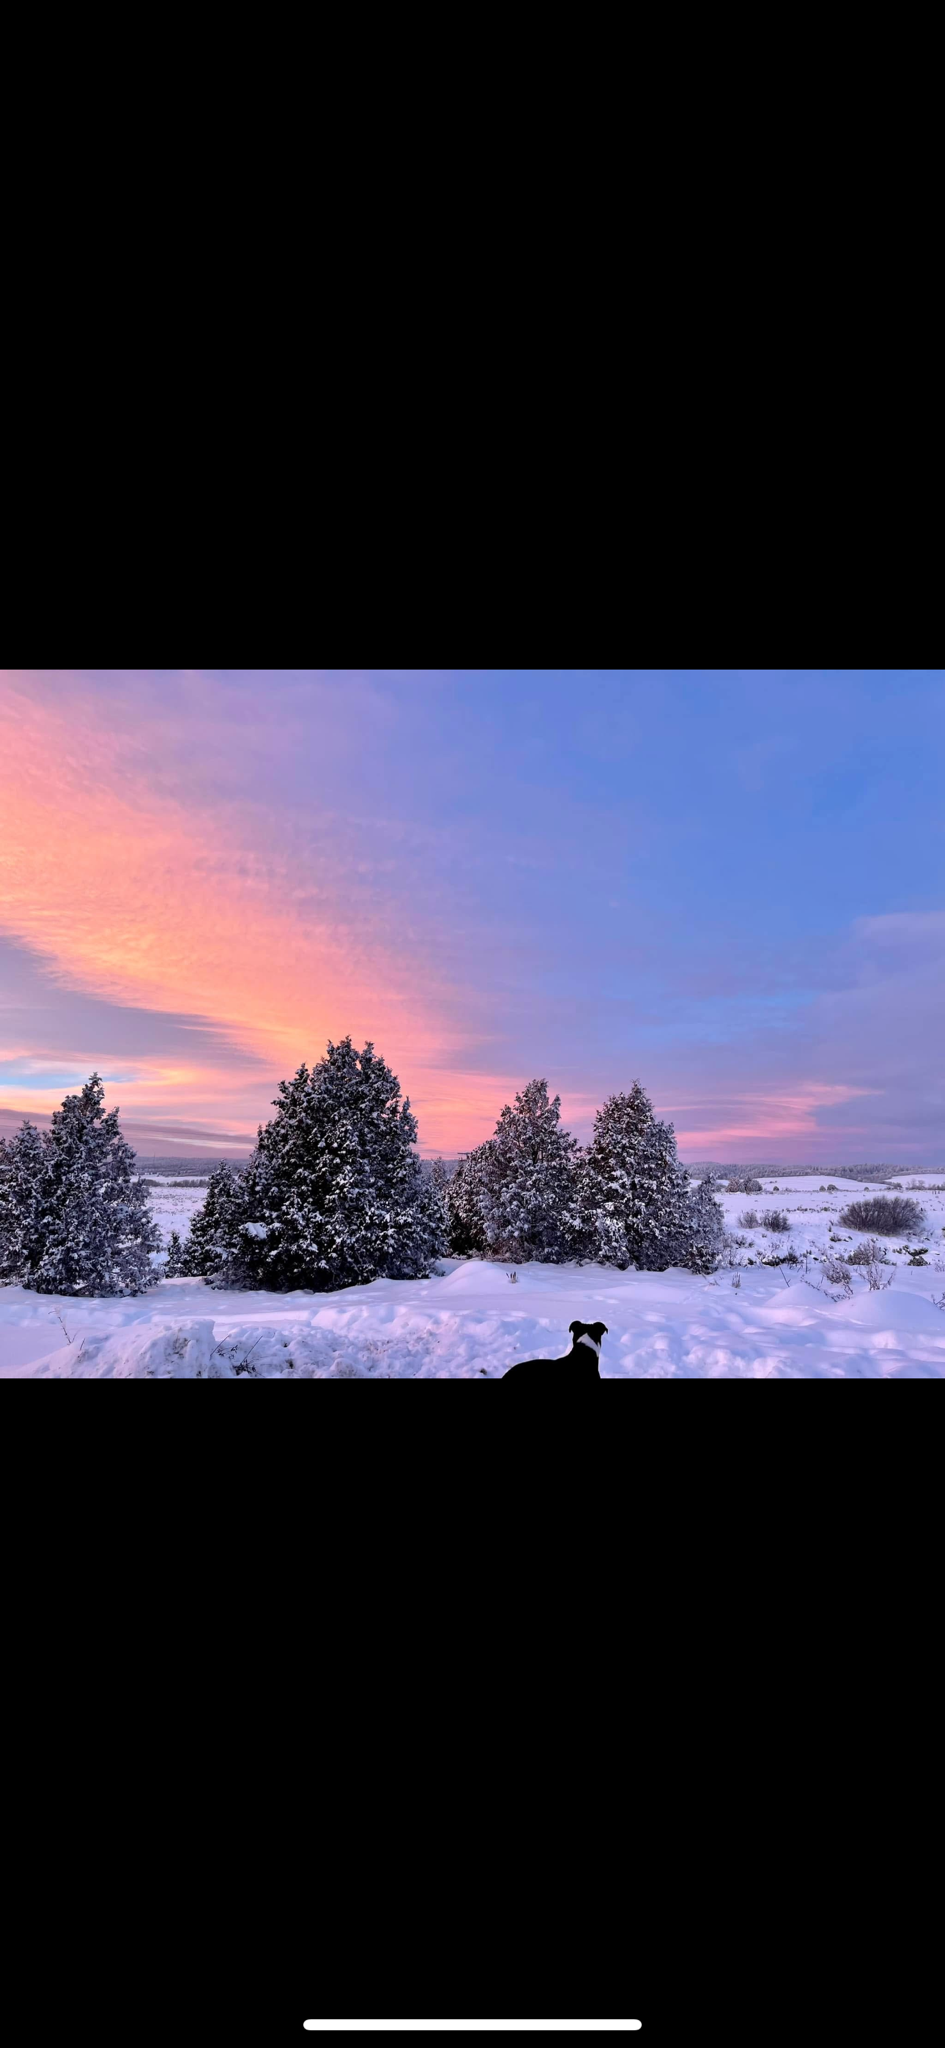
{"x":580,"y":1363}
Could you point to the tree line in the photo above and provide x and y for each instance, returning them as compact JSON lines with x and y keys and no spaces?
{"x":334,"y":1194}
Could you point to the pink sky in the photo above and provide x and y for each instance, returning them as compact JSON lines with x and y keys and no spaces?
{"x":205,"y":875}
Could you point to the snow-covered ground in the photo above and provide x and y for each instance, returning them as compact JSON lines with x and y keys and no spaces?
{"x":473,"y":1322}
{"x":814,"y":1217}
{"x":174,"y":1207}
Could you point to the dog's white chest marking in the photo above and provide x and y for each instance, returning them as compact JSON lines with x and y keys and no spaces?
{"x":590,"y":1341}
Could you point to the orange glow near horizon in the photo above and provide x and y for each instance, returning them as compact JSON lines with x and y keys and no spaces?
{"x":129,"y":895}
{"x":263,"y":932}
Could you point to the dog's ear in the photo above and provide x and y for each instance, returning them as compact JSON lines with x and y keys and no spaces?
{"x":577,"y":1326}
{"x":598,"y":1330}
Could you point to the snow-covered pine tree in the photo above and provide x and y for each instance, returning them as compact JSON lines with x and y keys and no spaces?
{"x":528,"y":1193}
{"x":334,"y":1194}
{"x":95,"y":1230}
{"x":215,"y":1229}
{"x":437,"y":1196}
{"x":7,"y":1272}
{"x":175,"y":1263}
{"x":706,"y":1228}
{"x":634,"y":1193}
{"x":464,"y":1214}
{"x":21,"y":1204}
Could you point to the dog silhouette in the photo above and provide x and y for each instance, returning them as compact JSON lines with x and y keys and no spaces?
{"x":580,"y":1363}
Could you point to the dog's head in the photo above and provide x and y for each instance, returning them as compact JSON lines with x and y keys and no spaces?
{"x":593,"y":1330}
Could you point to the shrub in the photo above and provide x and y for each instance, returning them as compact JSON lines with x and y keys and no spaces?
{"x":886,"y":1215}
{"x":835,"y":1273}
{"x":866,"y":1254}
{"x":775,"y":1219}
{"x":749,"y":1219}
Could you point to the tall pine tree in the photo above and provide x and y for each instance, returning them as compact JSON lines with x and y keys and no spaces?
{"x":215,"y":1230}
{"x":437,"y":1195}
{"x":74,"y":1215}
{"x":528,"y":1184}
{"x":634,"y":1193}
{"x":334,"y":1193}
{"x":21,"y":1204}
{"x":707,"y":1227}
{"x":464,"y":1204}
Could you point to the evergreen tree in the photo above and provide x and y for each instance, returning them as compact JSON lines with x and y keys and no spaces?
{"x":215,"y":1229}
{"x":6,"y":1254}
{"x":437,"y":1196}
{"x":175,"y":1264}
{"x":21,"y":1204}
{"x":707,"y":1228}
{"x":528,"y":1181}
{"x":85,"y":1225}
{"x":634,"y":1193}
{"x":464,"y":1205}
{"x":334,"y":1194}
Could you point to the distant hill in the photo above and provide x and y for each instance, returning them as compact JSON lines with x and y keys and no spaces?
{"x":195,"y":1167}
{"x":881,"y":1172}
{"x":156,"y":1148}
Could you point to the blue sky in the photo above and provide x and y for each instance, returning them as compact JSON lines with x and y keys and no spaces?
{"x":728,"y":884}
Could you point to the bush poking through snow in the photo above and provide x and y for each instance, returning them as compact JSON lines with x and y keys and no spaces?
{"x":835,"y":1274}
{"x":887,"y":1215}
{"x":749,"y":1219}
{"x":868,"y":1254}
{"x":775,"y":1219}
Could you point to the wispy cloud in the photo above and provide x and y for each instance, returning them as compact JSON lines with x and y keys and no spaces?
{"x":731,"y":886}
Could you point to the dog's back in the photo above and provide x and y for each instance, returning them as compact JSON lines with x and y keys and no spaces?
{"x":580,"y":1363}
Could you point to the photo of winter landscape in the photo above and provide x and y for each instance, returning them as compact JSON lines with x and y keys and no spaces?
{"x":416,"y":1024}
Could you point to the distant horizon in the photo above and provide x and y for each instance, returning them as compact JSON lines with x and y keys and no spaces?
{"x":210,"y":1148}
{"x":727,"y":884}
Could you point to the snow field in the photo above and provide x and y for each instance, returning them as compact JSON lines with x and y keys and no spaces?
{"x":473,"y":1322}
{"x":174,"y":1208}
{"x":814,"y":1216}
